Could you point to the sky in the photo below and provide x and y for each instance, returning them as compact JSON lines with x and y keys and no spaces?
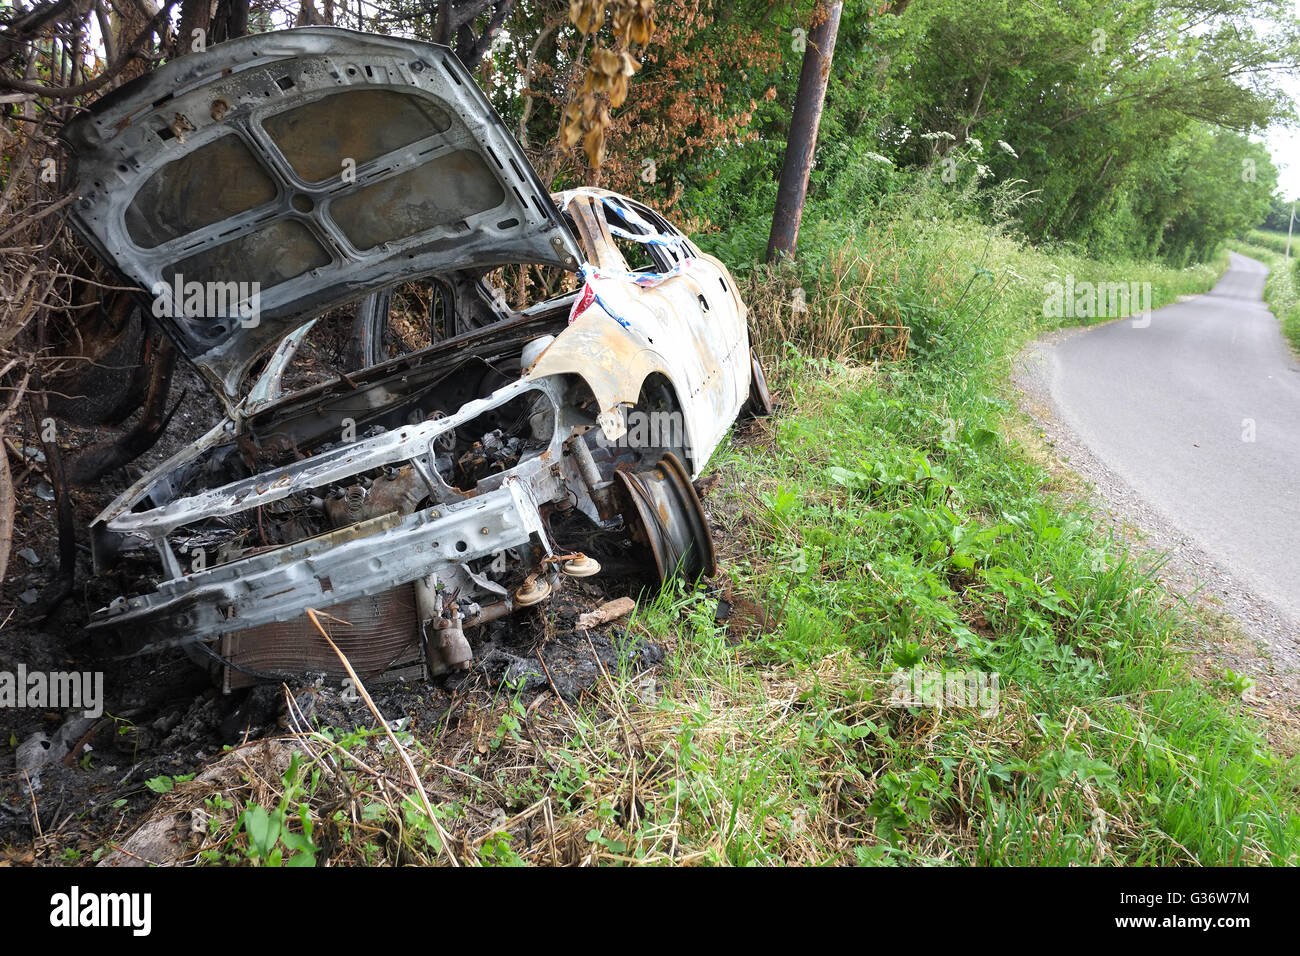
{"x":1284,"y":144}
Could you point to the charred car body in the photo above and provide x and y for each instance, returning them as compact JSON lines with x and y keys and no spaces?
{"x":296,"y":171}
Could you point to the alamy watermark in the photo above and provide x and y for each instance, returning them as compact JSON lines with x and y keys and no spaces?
{"x":966,"y":690}
{"x":646,"y":430}
{"x":77,"y":908}
{"x":181,"y":299}
{"x":53,"y":690}
{"x":1098,"y":300}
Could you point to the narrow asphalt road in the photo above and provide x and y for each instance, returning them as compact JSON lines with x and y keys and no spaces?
{"x":1199,"y":413}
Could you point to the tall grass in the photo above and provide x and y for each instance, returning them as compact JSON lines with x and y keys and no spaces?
{"x":949,"y":290}
{"x":1275,"y":241}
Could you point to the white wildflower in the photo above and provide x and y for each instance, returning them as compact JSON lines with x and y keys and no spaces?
{"x":1006,"y":148}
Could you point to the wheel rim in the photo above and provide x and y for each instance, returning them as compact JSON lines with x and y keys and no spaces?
{"x":671,"y":519}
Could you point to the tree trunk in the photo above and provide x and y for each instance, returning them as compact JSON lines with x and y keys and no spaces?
{"x":802,"y":141}
{"x":6,"y":509}
{"x":195,"y":15}
{"x":127,"y":22}
{"x":230,"y":21}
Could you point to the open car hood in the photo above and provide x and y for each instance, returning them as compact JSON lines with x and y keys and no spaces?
{"x":252,"y":186}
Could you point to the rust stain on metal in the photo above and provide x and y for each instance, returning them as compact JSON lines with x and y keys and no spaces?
{"x":382,"y":633}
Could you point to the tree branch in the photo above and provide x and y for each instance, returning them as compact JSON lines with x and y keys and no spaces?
{"x":114,"y":68}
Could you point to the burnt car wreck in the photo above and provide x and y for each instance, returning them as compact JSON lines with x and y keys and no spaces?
{"x":416,"y":498}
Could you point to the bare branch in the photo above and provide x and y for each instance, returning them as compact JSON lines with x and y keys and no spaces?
{"x":115,"y":67}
